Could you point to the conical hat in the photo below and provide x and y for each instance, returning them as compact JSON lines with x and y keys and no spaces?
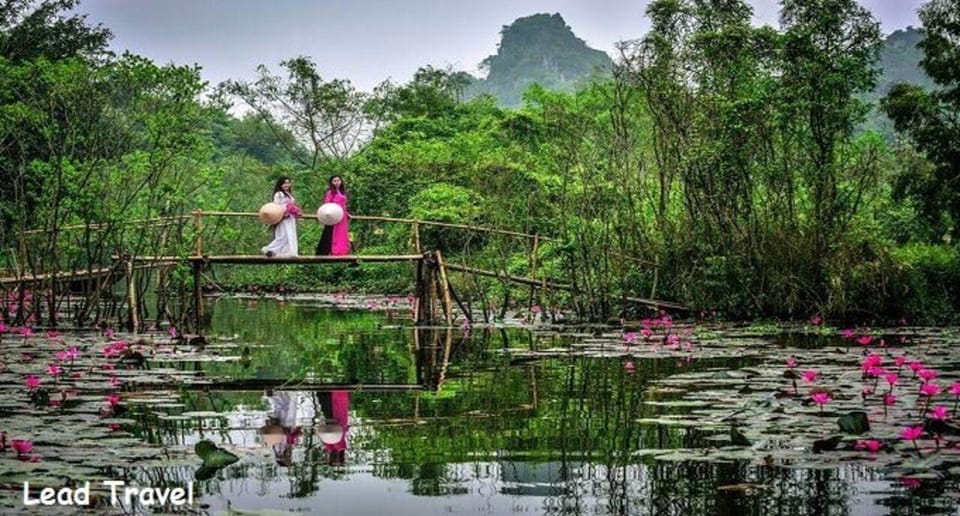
{"x":330,"y":434}
{"x":330,"y":214}
{"x":271,"y":213}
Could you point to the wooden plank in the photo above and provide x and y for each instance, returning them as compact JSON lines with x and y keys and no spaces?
{"x":263,"y":260}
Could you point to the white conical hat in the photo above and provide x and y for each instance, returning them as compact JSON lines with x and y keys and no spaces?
{"x":271,"y":213}
{"x":330,"y":434}
{"x":330,"y":214}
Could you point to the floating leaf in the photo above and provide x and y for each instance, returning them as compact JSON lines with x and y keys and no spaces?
{"x":205,"y":473}
{"x":855,"y":422}
{"x":829,"y":444}
{"x":737,"y":438}
{"x":214,"y":456}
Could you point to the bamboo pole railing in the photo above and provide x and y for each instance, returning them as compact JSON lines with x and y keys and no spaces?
{"x":155,"y":221}
{"x":416,"y":223}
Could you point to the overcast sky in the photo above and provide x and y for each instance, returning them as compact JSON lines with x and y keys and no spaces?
{"x":368,"y":41}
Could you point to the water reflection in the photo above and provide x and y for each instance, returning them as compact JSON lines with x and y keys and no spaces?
{"x":338,"y":414}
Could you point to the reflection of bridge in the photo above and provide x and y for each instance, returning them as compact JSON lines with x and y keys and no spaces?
{"x":436,"y":299}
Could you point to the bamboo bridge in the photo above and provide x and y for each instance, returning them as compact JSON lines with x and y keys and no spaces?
{"x":436,"y":300}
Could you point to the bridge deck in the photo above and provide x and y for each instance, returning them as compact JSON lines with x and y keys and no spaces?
{"x":259,"y":259}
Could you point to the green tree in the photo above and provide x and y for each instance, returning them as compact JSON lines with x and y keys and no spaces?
{"x":830,"y":48}
{"x":327,"y":116}
{"x":930,"y":120}
{"x":31,"y":29}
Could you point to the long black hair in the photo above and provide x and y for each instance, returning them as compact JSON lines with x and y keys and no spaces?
{"x":343,"y":184}
{"x":279,"y":186}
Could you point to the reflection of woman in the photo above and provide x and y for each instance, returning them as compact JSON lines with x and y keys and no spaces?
{"x":333,"y":434}
{"x":281,"y":431}
{"x":336,"y":238}
{"x":285,"y":232}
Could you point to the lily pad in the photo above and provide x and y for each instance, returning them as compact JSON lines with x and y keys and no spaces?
{"x":214,"y":456}
{"x":855,"y":422}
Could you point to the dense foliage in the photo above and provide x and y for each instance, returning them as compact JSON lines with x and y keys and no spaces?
{"x":719,"y":164}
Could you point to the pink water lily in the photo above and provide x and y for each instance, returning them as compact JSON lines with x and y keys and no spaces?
{"x":113,"y":399}
{"x":32,"y":382}
{"x":629,"y":337}
{"x":810,"y":375}
{"x":26,"y":331}
{"x":646,"y":332}
{"x":930,"y":389}
{"x":927,"y":374}
{"x":871,"y":445}
{"x":939,"y":412}
{"x":871,"y":361}
{"x":900,"y":360}
{"x":21,"y":446}
{"x":911,"y":433}
{"x":848,"y":333}
{"x":865,"y":340}
{"x":54,"y":369}
{"x":816,"y":320}
{"x":791,"y":363}
{"x":955,"y":388}
{"x":915,"y":366}
{"x":628,"y":366}
{"x":891,"y":379}
{"x":820,"y":398}
{"x":52,"y":334}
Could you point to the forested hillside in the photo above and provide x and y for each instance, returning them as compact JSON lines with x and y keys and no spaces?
{"x":719,"y":164}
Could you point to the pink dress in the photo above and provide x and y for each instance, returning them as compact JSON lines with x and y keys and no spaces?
{"x":340,"y":243}
{"x":340,"y":401}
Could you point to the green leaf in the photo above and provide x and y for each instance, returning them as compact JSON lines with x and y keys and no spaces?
{"x":204,"y":449}
{"x":205,"y":473}
{"x":855,"y":422}
{"x":829,"y":444}
{"x":214,"y":456}
{"x":737,"y":438}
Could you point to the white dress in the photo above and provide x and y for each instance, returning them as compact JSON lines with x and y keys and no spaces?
{"x":285,"y":233}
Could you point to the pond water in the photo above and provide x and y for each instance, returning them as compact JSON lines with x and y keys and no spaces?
{"x":344,"y":408}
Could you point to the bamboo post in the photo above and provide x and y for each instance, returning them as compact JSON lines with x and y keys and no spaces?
{"x":533,"y":266}
{"x":656,"y":275}
{"x":445,"y":286}
{"x":416,"y":236}
{"x":132,"y":296}
{"x":198,"y":224}
{"x":432,"y":294}
{"x":447,"y":345}
{"x":419,"y":292}
{"x":197,"y":295}
{"x":17,"y":273}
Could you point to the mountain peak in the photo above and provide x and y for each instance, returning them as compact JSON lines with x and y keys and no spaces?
{"x":540,"y":48}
